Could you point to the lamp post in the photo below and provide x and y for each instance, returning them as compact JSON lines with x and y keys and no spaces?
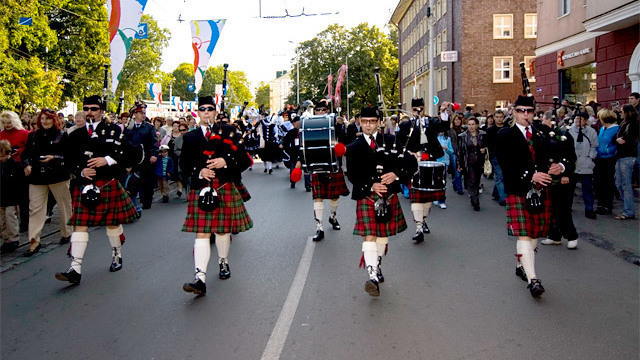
{"x":297,"y":75}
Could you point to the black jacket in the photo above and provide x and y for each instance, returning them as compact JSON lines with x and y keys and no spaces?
{"x":12,"y":176}
{"x":492,"y":139}
{"x":559,"y":150}
{"x":146,"y":136}
{"x":362,"y":162}
{"x":468,"y":154}
{"x":47,"y":142}
{"x":432,"y":146}
{"x":350,"y":136}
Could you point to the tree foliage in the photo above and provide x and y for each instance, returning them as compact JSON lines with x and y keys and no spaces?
{"x":262,"y":95}
{"x":366,"y":47}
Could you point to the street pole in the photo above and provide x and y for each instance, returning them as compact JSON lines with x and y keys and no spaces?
{"x":297,"y":77}
{"x":429,"y":100}
{"x":347,"y":75}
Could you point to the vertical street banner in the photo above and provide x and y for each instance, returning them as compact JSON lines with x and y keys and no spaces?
{"x":204,"y":37}
{"x":155,"y":90}
{"x":175,"y":101}
{"x":337,"y":97}
{"x":124,"y":17}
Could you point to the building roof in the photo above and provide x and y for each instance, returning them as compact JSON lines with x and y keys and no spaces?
{"x":399,"y":12}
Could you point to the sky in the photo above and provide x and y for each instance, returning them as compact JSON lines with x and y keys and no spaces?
{"x":259,"y":46}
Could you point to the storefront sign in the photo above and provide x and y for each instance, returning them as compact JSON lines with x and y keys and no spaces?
{"x":422,"y":69}
{"x":449,"y":56}
{"x":575,"y":53}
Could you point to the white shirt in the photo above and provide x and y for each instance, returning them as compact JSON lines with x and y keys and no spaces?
{"x":204,"y":129}
{"x":523,"y":130}
{"x":369,"y":138}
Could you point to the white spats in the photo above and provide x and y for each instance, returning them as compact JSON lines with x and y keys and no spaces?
{"x":267,"y":165}
{"x":525,"y":247}
{"x":370,"y":251}
{"x":426,"y":207}
{"x":79,"y":241}
{"x":318,"y":212}
{"x":381,"y":244}
{"x":333,"y":204}
{"x":114,"y":239}
{"x":201,"y":255}
{"x":418,"y":214}
{"x":223,"y":243}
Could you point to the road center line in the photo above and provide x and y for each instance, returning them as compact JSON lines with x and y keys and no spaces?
{"x":281,"y":330}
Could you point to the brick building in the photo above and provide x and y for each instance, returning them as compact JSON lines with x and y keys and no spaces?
{"x":588,"y":51}
{"x":491,"y":37}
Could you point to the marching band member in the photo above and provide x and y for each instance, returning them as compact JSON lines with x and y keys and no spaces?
{"x":421,"y":136}
{"x":326,"y":186}
{"x":213,"y":160}
{"x":100,"y":156}
{"x":375,"y":169}
{"x":524,"y":159}
{"x":268,"y":143}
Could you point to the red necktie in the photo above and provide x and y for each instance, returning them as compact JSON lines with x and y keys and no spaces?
{"x":208,"y":134}
{"x":373,"y":143}
{"x":530,"y":143}
{"x":90,"y":130}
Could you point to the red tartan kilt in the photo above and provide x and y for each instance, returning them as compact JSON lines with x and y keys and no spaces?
{"x":116,"y":207}
{"x":421,"y":197}
{"x":522,"y":223}
{"x":366,"y":218}
{"x":230,"y":217}
{"x":333,"y":189}
{"x":244,"y":193}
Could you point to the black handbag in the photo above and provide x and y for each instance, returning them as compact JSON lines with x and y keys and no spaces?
{"x":534,"y":201}
{"x":382,"y":210}
{"x":208,"y":200}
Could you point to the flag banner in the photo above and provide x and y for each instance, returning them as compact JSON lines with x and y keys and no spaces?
{"x":218,"y":96}
{"x":329,"y":86}
{"x":124,"y":17}
{"x":143,"y":32}
{"x":175,"y":101}
{"x":26,"y":21}
{"x":155,"y":90}
{"x":341,"y":75}
{"x":204,"y":37}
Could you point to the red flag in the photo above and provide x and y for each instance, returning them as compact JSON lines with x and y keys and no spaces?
{"x":341,"y":74}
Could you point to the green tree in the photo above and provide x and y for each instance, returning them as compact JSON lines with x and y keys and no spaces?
{"x":181,"y":77}
{"x":366,"y":47}
{"x":262,"y":95}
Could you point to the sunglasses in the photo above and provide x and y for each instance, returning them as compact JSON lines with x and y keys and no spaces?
{"x":417,"y":109}
{"x":321,"y":109}
{"x":206,"y":108}
{"x":91,"y":108}
{"x":183,"y":130}
{"x":48,"y":111}
{"x":522,"y":111}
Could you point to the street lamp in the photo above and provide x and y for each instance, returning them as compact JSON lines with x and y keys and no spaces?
{"x":297,"y":75}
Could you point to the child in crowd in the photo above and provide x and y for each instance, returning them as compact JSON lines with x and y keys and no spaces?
{"x":164,"y":169}
{"x":132,"y":183}
{"x":12,"y":176}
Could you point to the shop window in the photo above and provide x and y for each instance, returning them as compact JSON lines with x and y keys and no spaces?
{"x":530,"y":26}
{"x":564,"y":7}
{"x":530,"y":67}
{"x":503,"y":26}
{"x":501,"y":104}
{"x":578,"y":84}
{"x":502,"y":69}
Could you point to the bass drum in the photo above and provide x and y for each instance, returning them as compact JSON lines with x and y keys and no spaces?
{"x":431,"y":176}
{"x":318,"y":139}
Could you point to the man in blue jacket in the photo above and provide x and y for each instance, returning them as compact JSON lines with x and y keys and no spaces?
{"x":144,"y":134}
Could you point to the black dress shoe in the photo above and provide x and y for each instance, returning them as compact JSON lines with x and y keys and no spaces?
{"x":334,"y":222}
{"x":418,"y":237}
{"x":212,"y":238}
{"x":197,"y":287}
{"x":425,"y":228}
{"x":225,"y":272}
{"x":293,"y":185}
{"x":65,"y":240}
{"x":319,"y":235}
{"x":70,"y":275}
{"x":308,"y":189}
{"x":270,"y":171}
{"x":116,"y":264}
{"x":265,"y":171}
{"x":165,"y":199}
{"x":30,"y":253}
{"x":9,"y":247}
{"x":590,"y":214}
{"x":476,"y":207}
{"x":520,"y":273}
{"x":535,"y":287}
{"x":179,"y":193}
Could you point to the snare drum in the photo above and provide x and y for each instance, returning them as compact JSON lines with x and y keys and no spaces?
{"x":318,"y":139}
{"x":431,"y":176}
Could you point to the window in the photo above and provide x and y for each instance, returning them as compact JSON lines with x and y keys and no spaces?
{"x":501,"y":104}
{"x":502,"y":69}
{"x":437,"y":79}
{"x":438,"y":10}
{"x":438,"y":44}
{"x":444,"y":40}
{"x":529,"y":65}
{"x":444,"y":78}
{"x":502,"y":26}
{"x":444,"y":7}
{"x":564,"y":7}
{"x":530,"y":26}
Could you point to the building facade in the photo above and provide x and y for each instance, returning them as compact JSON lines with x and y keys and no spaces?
{"x":279,"y":90}
{"x":588,"y":50}
{"x":491,"y":39}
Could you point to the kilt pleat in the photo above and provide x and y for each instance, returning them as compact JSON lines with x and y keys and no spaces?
{"x":333,"y":189}
{"x":244,"y":193}
{"x":116,"y":207}
{"x":421,"y":197}
{"x":230,"y":217}
{"x":366,"y":218}
{"x":521,"y":222}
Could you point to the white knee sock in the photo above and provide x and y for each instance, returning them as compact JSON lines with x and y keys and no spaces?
{"x":114,"y":240}
{"x":370,"y":251}
{"x":201,"y":255}
{"x":333,"y":204}
{"x":268,"y":165}
{"x":223,"y":243}
{"x":79,"y":241}
{"x":418,"y":213}
{"x":426,"y":208}
{"x":318,"y":211}
{"x":527,"y":259}
{"x":382,"y":245}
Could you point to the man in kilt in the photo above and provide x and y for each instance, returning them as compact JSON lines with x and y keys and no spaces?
{"x":420,"y":135}
{"x":376,"y":167}
{"x":525,"y":161}
{"x":100,"y":155}
{"x":326,"y":186}
{"x":212,"y":159}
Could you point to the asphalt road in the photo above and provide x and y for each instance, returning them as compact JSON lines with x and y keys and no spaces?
{"x":455,"y":296}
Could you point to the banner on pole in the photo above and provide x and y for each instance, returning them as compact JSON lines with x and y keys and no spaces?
{"x":204,"y":37}
{"x":124,"y":17}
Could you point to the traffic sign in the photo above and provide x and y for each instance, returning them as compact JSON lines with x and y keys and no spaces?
{"x":191,"y":88}
{"x":449,"y":56}
{"x":436,"y":100}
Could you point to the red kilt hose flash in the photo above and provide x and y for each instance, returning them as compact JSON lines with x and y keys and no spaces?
{"x":366,"y":218}
{"x":230,"y":217}
{"x":332,"y":189}
{"x":421,"y":197}
{"x":116,"y":207}
{"x":244,"y":193}
{"x":522,"y":223}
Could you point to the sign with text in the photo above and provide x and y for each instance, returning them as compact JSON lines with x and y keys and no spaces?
{"x":449,"y":56}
